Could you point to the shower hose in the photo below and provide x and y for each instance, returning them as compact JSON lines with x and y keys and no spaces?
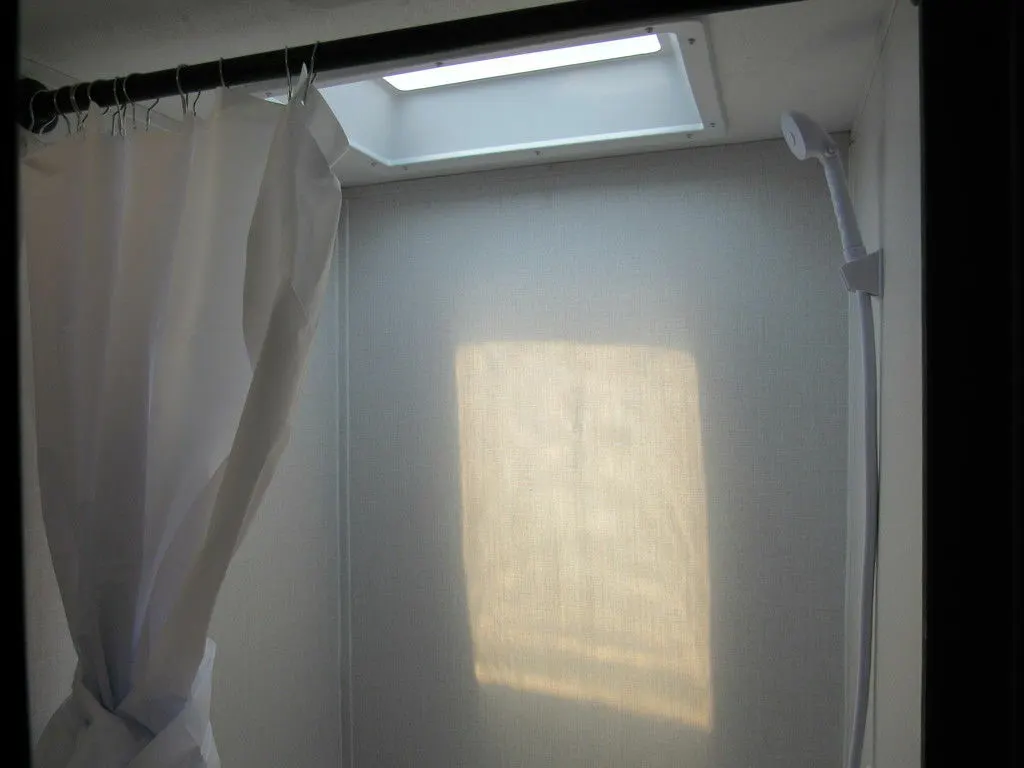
{"x":853,"y":248}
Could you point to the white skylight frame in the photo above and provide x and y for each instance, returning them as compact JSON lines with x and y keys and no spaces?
{"x":522,"y":63}
{"x":609,"y":106}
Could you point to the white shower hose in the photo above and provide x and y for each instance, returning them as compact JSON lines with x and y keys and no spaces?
{"x":853,"y":248}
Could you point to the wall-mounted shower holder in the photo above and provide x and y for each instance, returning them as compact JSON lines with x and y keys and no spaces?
{"x":863,"y":272}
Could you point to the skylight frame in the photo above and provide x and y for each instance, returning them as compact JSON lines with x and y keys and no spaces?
{"x":378,"y":118}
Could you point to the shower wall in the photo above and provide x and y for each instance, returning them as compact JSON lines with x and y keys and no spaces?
{"x":885,"y":170}
{"x":597,"y":468}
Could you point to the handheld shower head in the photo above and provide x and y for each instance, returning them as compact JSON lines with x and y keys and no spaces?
{"x":806,"y":138}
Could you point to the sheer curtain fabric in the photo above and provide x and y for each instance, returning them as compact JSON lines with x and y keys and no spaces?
{"x":171,"y":287}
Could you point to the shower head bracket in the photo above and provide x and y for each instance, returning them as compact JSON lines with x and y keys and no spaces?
{"x":863,"y":272}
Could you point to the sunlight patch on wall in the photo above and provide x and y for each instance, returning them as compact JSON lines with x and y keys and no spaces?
{"x":585,"y":524}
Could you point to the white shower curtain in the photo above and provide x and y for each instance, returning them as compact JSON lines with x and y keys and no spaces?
{"x":171,"y":286}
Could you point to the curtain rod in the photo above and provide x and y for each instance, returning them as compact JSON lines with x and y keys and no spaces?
{"x":476,"y":35}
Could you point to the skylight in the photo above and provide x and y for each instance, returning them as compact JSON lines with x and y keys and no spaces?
{"x":632,"y":90}
{"x":525,"y":62}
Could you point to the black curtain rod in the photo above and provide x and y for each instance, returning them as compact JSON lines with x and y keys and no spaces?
{"x":479,"y":34}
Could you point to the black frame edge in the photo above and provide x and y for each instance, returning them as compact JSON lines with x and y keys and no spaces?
{"x":971,"y":189}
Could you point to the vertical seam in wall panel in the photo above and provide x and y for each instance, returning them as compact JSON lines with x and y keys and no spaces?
{"x":348,"y":503}
{"x":879,"y":309}
{"x":337,"y":481}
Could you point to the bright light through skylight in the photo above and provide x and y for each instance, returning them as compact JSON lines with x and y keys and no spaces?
{"x":525,"y":62}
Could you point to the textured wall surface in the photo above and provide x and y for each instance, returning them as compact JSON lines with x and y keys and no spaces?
{"x":276,"y":685}
{"x":480,"y":308}
{"x":885,"y":169}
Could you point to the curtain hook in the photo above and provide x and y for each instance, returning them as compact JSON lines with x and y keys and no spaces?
{"x":123,"y":107}
{"x":64,"y":115}
{"x":83,"y":114}
{"x":117,"y":112}
{"x":32,"y":112}
{"x":220,"y":69}
{"x":288,"y":74}
{"x":196,"y":102}
{"x":181,"y":93}
{"x":53,"y":120}
{"x":88,"y":104}
{"x":150,"y":109}
{"x":312,"y":71}
{"x":74,"y":106}
{"x":128,"y":100}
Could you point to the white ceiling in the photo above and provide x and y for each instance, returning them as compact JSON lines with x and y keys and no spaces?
{"x":814,"y":55}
